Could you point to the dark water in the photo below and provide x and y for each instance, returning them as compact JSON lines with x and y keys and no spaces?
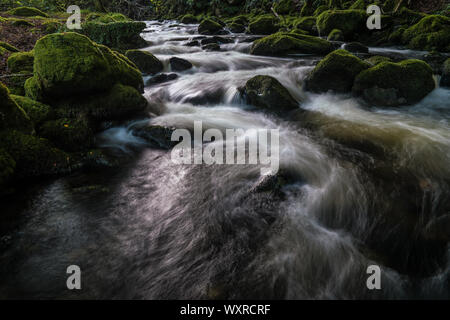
{"x":152,"y":229}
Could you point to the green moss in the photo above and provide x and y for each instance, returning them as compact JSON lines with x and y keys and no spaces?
{"x":335,"y":35}
{"x":209,"y":26}
{"x":21,"y":61}
{"x":396,"y":36}
{"x":407,"y":16}
{"x":360,"y":4}
{"x":68,"y":134}
{"x":336,"y":72}
{"x":236,"y":27}
{"x":393,"y":84}
{"x":299,"y":31}
{"x":11,"y":115}
{"x":52,"y":26}
{"x":263,"y":25}
{"x":285,"y":43}
{"x":350,"y":22}
{"x":33,"y":156}
{"x":36,"y":111}
{"x":319,"y":10}
{"x":92,"y":16}
{"x":27,"y":12}
{"x":268,"y":93}
{"x":16,"y":82}
{"x":8,"y":47}
{"x":145,"y":61}
{"x":307,"y":24}
{"x":112,"y":17}
{"x":189,"y":19}
{"x":377,"y":60}
{"x":20,"y":23}
{"x":71,"y":64}
{"x":7,"y":168}
{"x":118,"y":35}
{"x":430,"y":33}
{"x":284,"y":6}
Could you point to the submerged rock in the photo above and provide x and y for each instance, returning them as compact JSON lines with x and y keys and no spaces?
{"x":145,"y":61}
{"x":157,"y":136}
{"x":283,"y":43}
{"x":395,"y":84}
{"x":211,"y":47}
{"x":161,"y":78}
{"x":268,"y":93}
{"x":336,"y":72}
{"x":194,"y":43}
{"x":445,"y":79}
{"x":264,"y":25}
{"x":178,"y":64}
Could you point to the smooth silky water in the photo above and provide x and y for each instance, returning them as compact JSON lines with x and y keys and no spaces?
{"x":151,"y":229}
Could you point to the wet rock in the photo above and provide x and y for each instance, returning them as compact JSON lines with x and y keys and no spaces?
{"x":264,"y":25}
{"x":395,"y":84}
{"x":236,"y":28}
{"x":283,"y":43}
{"x":268,"y":93}
{"x":145,"y":61}
{"x":157,"y":136}
{"x":377,"y":60}
{"x":178,"y":64}
{"x":188,"y":19}
{"x":209,"y":26}
{"x":336,"y":72}
{"x":307,"y":24}
{"x":356,"y":47}
{"x":194,"y":43}
{"x":445,"y":80}
{"x":216,"y":39}
{"x":435,"y":60}
{"x":161,"y":78}
{"x":211,"y":47}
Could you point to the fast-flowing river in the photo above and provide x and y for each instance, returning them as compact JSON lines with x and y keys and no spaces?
{"x":364,"y":184}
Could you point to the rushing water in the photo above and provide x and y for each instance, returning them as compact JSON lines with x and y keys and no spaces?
{"x":364,"y":183}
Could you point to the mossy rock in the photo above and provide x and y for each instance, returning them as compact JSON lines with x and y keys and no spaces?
{"x":407,"y":16}
{"x":7,"y":168}
{"x":34,"y":156}
{"x":3,"y":52}
{"x":123,"y":35}
{"x":283,"y":43}
{"x":396,"y":36}
{"x":36,"y":111}
{"x":16,"y":82}
{"x":189,"y":19}
{"x":336,"y":72}
{"x":395,"y":84}
{"x":145,"y":61}
{"x":21,"y":61}
{"x":27,"y":12}
{"x":21,"y":23}
{"x":264,"y":25}
{"x":209,"y":26}
{"x":285,"y":6}
{"x":68,"y":134}
{"x":307,"y":24}
{"x":8,"y":47}
{"x":377,"y":60}
{"x":268,"y":93}
{"x":52,"y":26}
{"x":119,"y":103}
{"x":445,"y":79}
{"x":68,"y":64}
{"x":239,"y":20}
{"x":236,"y":28}
{"x":11,"y":115}
{"x":350,"y":22}
{"x":335,"y":35}
{"x":430,"y":33}
{"x":112,"y":17}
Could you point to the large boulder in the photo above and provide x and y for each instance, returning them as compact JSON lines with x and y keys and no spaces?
{"x":336,"y":72}
{"x":350,"y":22}
{"x":430,"y":33}
{"x":209,"y":26}
{"x":268,"y":93}
{"x":12,"y":116}
{"x":283,"y":43}
{"x":145,"y":61}
{"x":395,"y":84}
{"x":445,"y":79}
{"x":263,"y":25}
{"x":68,"y":64}
{"x":122,"y":35}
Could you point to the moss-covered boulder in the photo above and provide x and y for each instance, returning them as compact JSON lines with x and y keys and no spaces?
{"x":8,"y":47}
{"x":268,"y":93}
{"x":430,"y":33}
{"x":209,"y":26}
{"x":122,"y":35}
{"x":264,"y":25}
{"x":307,"y":24}
{"x":68,"y":134}
{"x":33,"y":156}
{"x":21,"y":61}
{"x":283,"y":43}
{"x":445,"y":79}
{"x":336,"y":72}
{"x":68,"y":64}
{"x":350,"y":22}
{"x":377,"y":60}
{"x":189,"y":19}
{"x":236,"y":27}
{"x":335,"y":35}
{"x":11,"y":115}
{"x":112,"y":17}
{"x":36,"y":111}
{"x":145,"y":61}
{"x":16,"y":82}
{"x":27,"y":12}
{"x":395,"y":84}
